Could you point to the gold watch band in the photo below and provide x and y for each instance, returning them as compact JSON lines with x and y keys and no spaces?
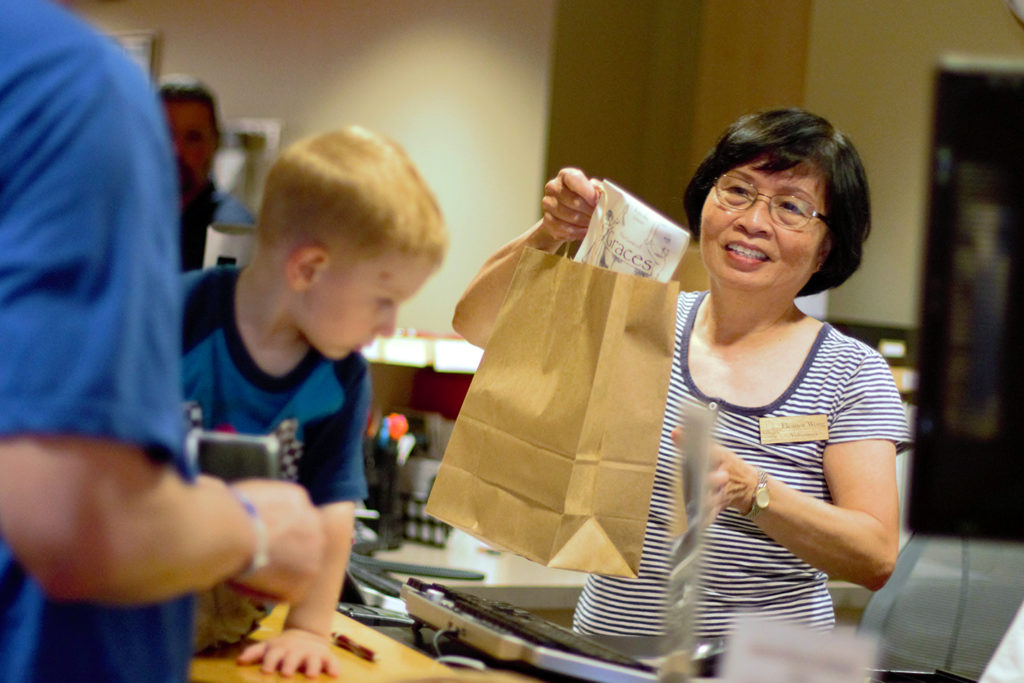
{"x":759,"y":501}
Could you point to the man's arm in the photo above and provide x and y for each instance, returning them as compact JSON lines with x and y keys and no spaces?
{"x":98,"y":520}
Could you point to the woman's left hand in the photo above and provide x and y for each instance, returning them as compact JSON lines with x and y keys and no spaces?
{"x":725,"y":472}
{"x":738,"y":479}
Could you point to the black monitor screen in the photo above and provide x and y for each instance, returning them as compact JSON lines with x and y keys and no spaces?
{"x":967,"y":476}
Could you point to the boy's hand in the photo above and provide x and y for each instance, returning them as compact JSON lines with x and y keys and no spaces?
{"x":292,"y":651}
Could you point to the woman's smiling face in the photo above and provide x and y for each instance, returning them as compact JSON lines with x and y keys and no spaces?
{"x":748,"y":250}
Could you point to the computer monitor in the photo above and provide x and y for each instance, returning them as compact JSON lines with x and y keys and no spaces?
{"x":967,"y":473}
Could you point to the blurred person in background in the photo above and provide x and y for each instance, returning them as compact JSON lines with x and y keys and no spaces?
{"x":194,"y":122}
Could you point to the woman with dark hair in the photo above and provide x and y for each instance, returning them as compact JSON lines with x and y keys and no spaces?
{"x":780,"y":140}
{"x":793,"y":507}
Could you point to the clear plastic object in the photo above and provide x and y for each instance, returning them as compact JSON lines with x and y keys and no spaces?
{"x":680,"y":645}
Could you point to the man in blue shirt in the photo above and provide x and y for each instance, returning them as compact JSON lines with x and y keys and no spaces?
{"x":104,"y":528}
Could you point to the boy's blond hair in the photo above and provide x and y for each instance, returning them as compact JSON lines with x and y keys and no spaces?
{"x":350,"y":189}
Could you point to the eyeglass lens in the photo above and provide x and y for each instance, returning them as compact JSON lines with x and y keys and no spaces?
{"x":790,"y":212}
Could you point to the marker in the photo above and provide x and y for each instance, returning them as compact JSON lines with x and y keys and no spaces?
{"x":361,"y":651}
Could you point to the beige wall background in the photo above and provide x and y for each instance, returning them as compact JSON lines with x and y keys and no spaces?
{"x":472,"y":88}
{"x":869,"y":69}
{"x":462,"y":84}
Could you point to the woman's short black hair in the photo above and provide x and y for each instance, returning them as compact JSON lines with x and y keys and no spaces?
{"x":782,"y":139}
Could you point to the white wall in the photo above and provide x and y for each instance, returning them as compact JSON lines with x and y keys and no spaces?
{"x":870,"y":70}
{"x":462,"y":84}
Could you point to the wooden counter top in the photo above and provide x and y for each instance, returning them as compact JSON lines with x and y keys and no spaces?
{"x":394,"y":661}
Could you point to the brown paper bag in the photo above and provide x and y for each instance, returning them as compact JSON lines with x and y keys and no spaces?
{"x":553,"y":453}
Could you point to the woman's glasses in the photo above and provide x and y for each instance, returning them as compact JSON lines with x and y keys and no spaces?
{"x":792,"y":213}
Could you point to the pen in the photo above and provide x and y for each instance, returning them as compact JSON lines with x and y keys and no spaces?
{"x":361,"y":651}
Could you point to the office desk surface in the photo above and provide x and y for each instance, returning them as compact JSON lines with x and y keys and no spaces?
{"x":507,"y":576}
{"x":499,"y":568}
{"x":394,"y":661}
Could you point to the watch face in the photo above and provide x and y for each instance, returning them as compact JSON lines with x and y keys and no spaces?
{"x":762,"y":498}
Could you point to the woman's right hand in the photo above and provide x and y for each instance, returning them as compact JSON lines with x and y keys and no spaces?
{"x":568,"y":203}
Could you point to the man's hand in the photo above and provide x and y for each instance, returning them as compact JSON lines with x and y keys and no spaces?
{"x":296,"y":539}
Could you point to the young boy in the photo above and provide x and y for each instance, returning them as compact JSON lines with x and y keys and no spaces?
{"x":347,"y":231}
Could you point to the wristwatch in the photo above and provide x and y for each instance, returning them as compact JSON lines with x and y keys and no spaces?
{"x":762,"y":497}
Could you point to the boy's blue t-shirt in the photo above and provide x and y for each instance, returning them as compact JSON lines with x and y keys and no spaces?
{"x":319,"y":410}
{"x":90,"y":313}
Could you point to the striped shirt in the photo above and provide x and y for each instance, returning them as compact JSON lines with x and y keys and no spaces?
{"x":743,"y":569}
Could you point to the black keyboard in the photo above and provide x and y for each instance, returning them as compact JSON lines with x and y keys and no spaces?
{"x":509,"y":633}
{"x":938,"y":676}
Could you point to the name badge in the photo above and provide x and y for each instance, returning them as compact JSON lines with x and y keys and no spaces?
{"x":794,"y":428}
